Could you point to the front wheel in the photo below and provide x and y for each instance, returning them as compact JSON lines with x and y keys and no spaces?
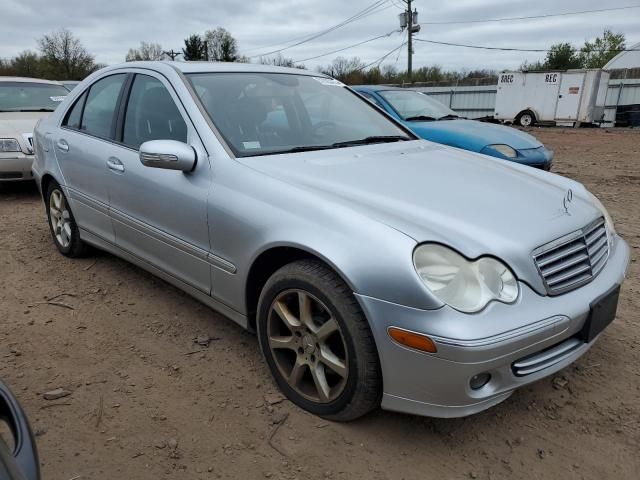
{"x":62,"y":224}
{"x":318,"y":343}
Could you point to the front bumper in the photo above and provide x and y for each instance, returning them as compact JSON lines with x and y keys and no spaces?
{"x":490,"y":341}
{"x":540,"y":157}
{"x":15,"y":167}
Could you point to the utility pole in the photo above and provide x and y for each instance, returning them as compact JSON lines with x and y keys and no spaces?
{"x":409,"y":41}
{"x":409,"y":20}
{"x":172,"y":54}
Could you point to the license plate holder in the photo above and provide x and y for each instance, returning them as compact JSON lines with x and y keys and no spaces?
{"x":602,"y":311}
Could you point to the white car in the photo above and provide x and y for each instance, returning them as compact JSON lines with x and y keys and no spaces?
{"x":23,"y":101}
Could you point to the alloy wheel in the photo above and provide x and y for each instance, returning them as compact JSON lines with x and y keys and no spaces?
{"x":308,"y":346}
{"x":60,"y":218}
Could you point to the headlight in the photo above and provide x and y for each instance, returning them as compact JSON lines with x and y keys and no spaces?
{"x":465,"y":285}
{"x":505,"y":150}
{"x":598,"y":204}
{"x":9,"y":145}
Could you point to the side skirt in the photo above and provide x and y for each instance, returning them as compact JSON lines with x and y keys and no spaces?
{"x":220,"y":307}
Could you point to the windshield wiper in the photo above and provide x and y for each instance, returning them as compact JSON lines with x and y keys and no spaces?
{"x":350,"y":143}
{"x":450,"y":117}
{"x":420,"y":117}
{"x":304,"y":148}
{"x":33,"y":110}
{"x":372,"y":139}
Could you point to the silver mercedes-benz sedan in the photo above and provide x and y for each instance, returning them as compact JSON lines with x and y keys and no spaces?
{"x":376,"y":268}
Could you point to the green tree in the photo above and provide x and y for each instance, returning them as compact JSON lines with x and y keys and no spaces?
{"x":597,"y":53}
{"x":28,"y":64}
{"x":221,"y":46}
{"x":64,"y":57}
{"x":146,"y":51}
{"x":562,"y":56}
{"x":194,"y":48}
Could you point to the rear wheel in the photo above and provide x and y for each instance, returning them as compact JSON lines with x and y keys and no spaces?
{"x":526,"y":119}
{"x":318,"y":343}
{"x":62,"y":224}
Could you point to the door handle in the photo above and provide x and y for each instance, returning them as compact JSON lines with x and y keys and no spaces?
{"x":115,"y":165}
{"x":62,"y":145}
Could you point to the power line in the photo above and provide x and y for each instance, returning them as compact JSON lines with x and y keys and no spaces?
{"x":295,"y":39}
{"x":505,"y":49}
{"x":508,"y":19}
{"x":382,"y":58}
{"x":372,"y":8}
{"x":346,"y":48}
{"x":479,"y":47}
{"x":398,"y":57}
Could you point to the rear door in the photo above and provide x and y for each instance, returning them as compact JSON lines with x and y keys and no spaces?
{"x":82,"y":145}
{"x":571,"y":86}
{"x":159,"y":215}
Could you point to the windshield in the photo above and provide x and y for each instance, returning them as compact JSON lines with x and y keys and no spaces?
{"x":30,"y":96}
{"x":270,"y":113}
{"x":412,"y":105}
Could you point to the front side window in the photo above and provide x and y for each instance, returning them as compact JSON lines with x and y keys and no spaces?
{"x":100,"y":109}
{"x":271,"y":113}
{"x":151,"y":114}
{"x":30,"y":96}
{"x":412,"y":105}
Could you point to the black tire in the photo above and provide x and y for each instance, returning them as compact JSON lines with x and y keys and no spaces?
{"x":363,"y":384}
{"x":76,"y":247}
{"x":526,"y":119}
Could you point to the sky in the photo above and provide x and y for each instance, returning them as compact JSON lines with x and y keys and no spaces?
{"x":108,"y":29}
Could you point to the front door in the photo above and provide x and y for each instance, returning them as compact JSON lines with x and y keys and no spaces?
{"x":569,"y":96}
{"x":160,"y":216}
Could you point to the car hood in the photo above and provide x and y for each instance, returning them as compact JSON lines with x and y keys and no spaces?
{"x":472,"y":134}
{"x":17,"y":123}
{"x":474,"y":203}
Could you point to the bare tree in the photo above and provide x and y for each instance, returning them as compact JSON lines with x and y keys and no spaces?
{"x":221,"y":46}
{"x":146,"y":51}
{"x":347,"y":70}
{"x":281,"y":61}
{"x":65,"y":56}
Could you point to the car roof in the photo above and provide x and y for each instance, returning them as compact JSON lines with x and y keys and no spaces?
{"x":28,"y":80}
{"x":217,"y":67}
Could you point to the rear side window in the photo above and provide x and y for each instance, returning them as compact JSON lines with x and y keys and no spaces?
{"x":74,"y":116}
{"x":151,"y":114}
{"x":99,"y":111}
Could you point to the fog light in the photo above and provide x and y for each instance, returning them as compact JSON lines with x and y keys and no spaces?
{"x":479,"y":381}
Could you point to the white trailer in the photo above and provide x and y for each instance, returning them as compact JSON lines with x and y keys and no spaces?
{"x":567,"y":98}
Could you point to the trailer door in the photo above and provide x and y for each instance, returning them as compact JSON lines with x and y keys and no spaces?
{"x":571,"y":86}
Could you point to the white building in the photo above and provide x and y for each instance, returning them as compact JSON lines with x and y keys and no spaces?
{"x":627,"y":59}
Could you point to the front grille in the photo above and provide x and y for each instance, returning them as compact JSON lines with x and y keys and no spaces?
{"x":545,"y":358}
{"x":573,"y":260}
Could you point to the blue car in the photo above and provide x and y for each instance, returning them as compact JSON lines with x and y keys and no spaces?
{"x":431,"y":120}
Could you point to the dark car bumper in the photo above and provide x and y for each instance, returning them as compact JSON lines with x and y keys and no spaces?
{"x":540,"y":157}
{"x":21,"y":463}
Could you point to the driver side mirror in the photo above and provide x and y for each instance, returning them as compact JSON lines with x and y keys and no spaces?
{"x":168,"y":154}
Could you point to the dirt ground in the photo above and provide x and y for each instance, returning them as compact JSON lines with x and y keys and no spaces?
{"x":144,"y":406}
